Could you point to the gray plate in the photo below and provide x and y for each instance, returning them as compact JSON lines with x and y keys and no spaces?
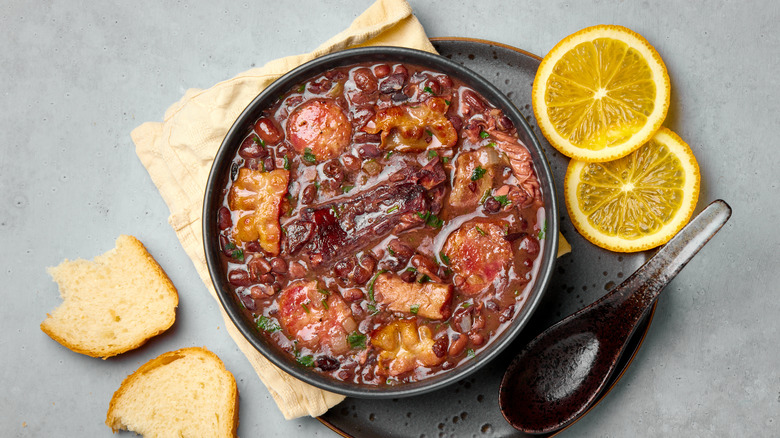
{"x":470,"y":407}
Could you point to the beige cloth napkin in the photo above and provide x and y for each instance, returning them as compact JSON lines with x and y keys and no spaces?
{"x":178,"y":154}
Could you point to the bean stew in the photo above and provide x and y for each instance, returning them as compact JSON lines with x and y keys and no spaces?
{"x":381,"y":223}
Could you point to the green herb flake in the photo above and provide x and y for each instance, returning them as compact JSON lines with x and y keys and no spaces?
{"x":334,"y":211}
{"x":286,"y":163}
{"x":308,"y":156}
{"x":325,"y":303}
{"x":392,"y":209}
{"x":238,"y":255}
{"x":503,"y":200}
{"x":258,"y":140}
{"x":432,"y":154}
{"x":346,"y":189}
{"x":428,"y":90}
{"x":390,"y":250}
{"x":373,"y":309}
{"x":389,"y":154}
{"x":444,"y":258}
{"x":357,"y":340}
{"x":323,"y":291}
{"x":478,"y":173}
{"x":491,"y":145}
{"x":470,"y":352}
{"x":302,"y":88}
{"x":484,"y":196}
{"x":371,"y":285}
{"x":480,"y":231}
{"x":424,"y":279}
{"x":267,"y":324}
{"x":307,"y":361}
{"x":414,"y":309}
{"x":447,"y":102}
{"x":543,"y":231}
{"x":517,"y":292}
{"x":484,"y":134}
{"x":465,"y":305}
{"x":445,"y":160}
{"x":428,"y":131}
{"x":410,"y":269}
{"x":305,"y":308}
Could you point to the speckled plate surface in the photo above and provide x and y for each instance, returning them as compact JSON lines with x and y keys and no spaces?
{"x":470,"y":407}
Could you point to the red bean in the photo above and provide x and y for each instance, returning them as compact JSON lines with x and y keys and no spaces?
{"x":477,"y":339}
{"x":531,"y":245}
{"x":252,"y":149}
{"x":344,"y":267}
{"x":258,"y":266}
{"x":352,"y":294}
{"x":440,"y":346}
{"x":444,"y":81}
{"x":269,"y":163}
{"x":307,"y":197}
{"x":224,"y":220}
{"x":239,"y":277}
{"x":362,"y":275}
{"x":267,"y":131}
{"x":473,"y":102}
{"x":458,"y":345}
{"x":409,"y":276}
{"x":351,"y":162}
{"x":365,"y":80}
{"x":368,"y":151}
{"x":382,"y":70}
{"x":278,"y":265}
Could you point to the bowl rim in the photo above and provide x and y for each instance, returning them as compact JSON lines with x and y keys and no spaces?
{"x":306,"y":71}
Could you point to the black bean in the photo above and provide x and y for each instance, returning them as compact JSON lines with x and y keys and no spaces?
{"x":492,"y":205}
{"x":326,"y":363}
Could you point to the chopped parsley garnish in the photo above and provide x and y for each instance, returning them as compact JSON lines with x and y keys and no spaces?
{"x":334,"y":211}
{"x":389,"y":154}
{"x":517,"y":292}
{"x":484,"y":196}
{"x":428,"y":90}
{"x":267,"y":324}
{"x":424,"y":279}
{"x":447,"y":102}
{"x":465,"y":305}
{"x":444,"y":258}
{"x":286,"y":163}
{"x":258,"y":140}
{"x":305,"y":308}
{"x":430,"y":219}
{"x":392,"y":209}
{"x":390,"y":250}
{"x":371,"y":284}
{"x":432,"y":154}
{"x":346,"y":189}
{"x":410,"y":269}
{"x":503,"y":200}
{"x":478,"y":173}
{"x":484,"y":134}
{"x":302,"y":88}
{"x":235,"y":252}
{"x":491,"y":145}
{"x":357,"y":340}
{"x":414,"y":309}
{"x":480,"y":231}
{"x":308,"y":156}
{"x":373,"y":309}
{"x":307,"y":361}
{"x":470,"y":352}
{"x":325,"y":303}
{"x":428,"y":131}
{"x":543,"y":231}
{"x":445,"y":160}
{"x":323,"y":291}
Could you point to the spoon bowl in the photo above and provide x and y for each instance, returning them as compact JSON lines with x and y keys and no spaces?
{"x":560,"y":374}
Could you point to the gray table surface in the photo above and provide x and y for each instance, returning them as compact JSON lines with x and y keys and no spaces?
{"x":77,"y":79}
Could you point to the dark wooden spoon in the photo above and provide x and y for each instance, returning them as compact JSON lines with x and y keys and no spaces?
{"x":560,"y":374}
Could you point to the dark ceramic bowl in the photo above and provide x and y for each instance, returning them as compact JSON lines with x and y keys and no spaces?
{"x":221,"y":170}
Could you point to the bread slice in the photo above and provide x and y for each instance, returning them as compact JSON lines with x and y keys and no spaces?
{"x":182,"y":393}
{"x":112,"y":304}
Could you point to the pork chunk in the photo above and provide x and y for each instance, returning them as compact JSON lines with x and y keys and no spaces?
{"x":429,"y":300}
{"x":479,"y":255}
{"x":257,"y":197}
{"x":403,"y":347}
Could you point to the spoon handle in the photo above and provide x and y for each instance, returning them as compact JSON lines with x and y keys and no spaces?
{"x":657,"y":272}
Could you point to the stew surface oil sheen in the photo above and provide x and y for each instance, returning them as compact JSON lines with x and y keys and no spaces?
{"x":381,"y":223}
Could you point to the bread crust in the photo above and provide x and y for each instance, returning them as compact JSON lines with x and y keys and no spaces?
{"x":115,"y":422}
{"x":151,"y":268}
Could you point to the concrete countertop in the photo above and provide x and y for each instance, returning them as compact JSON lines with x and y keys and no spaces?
{"x":77,"y":79}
